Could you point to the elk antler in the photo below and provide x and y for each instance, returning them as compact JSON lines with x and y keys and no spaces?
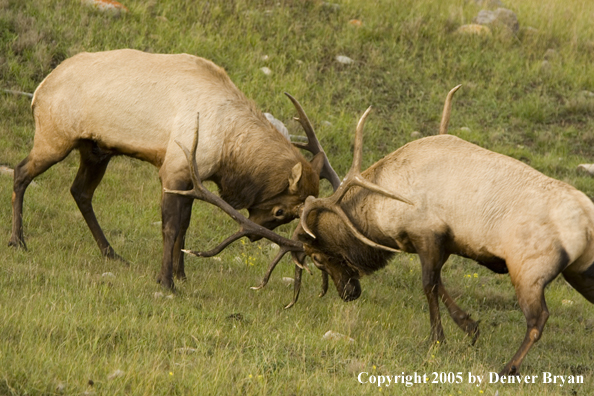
{"x":248,"y":226}
{"x":313,"y":144}
{"x":353,"y":178}
{"x":447,"y":110}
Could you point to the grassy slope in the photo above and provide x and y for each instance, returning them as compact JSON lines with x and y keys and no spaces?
{"x":62,"y":323}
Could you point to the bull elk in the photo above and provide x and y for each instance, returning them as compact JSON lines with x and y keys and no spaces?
{"x":127,"y":102}
{"x":454,"y":198}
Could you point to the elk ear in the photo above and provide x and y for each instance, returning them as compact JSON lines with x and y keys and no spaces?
{"x":294,"y":178}
{"x":317,"y":162}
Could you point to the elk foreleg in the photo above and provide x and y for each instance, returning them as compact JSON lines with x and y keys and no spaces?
{"x":461,"y":318}
{"x":178,"y":256}
{"x":93,"y":164}
{"x":432,"y":259}
{"x":173,"y":209}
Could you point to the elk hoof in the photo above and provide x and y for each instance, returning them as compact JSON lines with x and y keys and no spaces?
{"x":473,"y":331}
{"x":166,"y":283}
{"x":510,"y":370}
{"x":17,"y":244}
{"x":112,"y":255}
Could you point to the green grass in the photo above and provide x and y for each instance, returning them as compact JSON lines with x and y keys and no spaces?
{"x":65,"y":325}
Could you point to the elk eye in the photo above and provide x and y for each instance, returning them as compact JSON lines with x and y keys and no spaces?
{"x":279,"y":213}
{"x":316,"y":259}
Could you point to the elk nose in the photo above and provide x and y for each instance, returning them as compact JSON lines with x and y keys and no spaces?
{"x":351,"y":290}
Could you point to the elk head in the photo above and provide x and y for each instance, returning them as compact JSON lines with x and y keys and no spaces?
{"x":329,"y":237}
{"x":303,"y":181}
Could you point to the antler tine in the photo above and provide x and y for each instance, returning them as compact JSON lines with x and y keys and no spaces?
{"x":220,"y":247}
{"x":283,"y":250}
{"x":296,"y":286}
{"x":447,"y":110}
{"x":200,"y":192}
{"x":358,"y":149}
{"x":324,"y":284}
{"x":353,"y":178}
{"x":313,"y":144}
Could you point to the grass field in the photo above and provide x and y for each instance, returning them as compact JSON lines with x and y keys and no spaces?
{"x":73,"y":323}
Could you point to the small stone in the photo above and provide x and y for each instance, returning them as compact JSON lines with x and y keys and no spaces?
{"x":115,"y":374}
{"x":278,"y":125}
{"x":108,"y":275}
{"x":551,"y":55}
{"x":416,"y":135}
{"x":501,"y":17}
{"x":465,"y":129}
{"x":345,"y":60}
{"x":108,"y":6}
{"x":331,"y":6}
{"x":6,"y":171}
{"x":326,"y":123}
{"x":158,"y":295}
{"x":545,"y":66}
{"x":474,"y":29}
{"x":266,"y":70}
{"x":287,"y":281}
{"x":587,"y":168}
{"x":336,"y":336}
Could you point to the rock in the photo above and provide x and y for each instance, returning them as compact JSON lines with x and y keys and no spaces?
{"x":500,"y":18}
{"x":108,"y":6}
{"x":545,"y":66}
{"x":416,"y":135}
{"x":266,"y":70}
{"x":288,"y":281}
{"x":551,"y":55}
{"x":278,"y":125}
{"x":6,"y":171}
{"x":474,"y":29}
{"x":345,"y":60}
{"x":331,"y":6}
{"x":336,"y":336}
{"x":465,"y":129}
{"x":587,"y":168}
{"x":115,"y":374}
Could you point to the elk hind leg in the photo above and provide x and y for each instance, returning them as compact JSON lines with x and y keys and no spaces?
{"x":530,"y":293}
{"x":461,"y":318}
{"x":93,"y":163}
{"x":43,"y":155}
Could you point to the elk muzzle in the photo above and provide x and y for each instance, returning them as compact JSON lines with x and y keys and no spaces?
{"x":349,"y":290}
